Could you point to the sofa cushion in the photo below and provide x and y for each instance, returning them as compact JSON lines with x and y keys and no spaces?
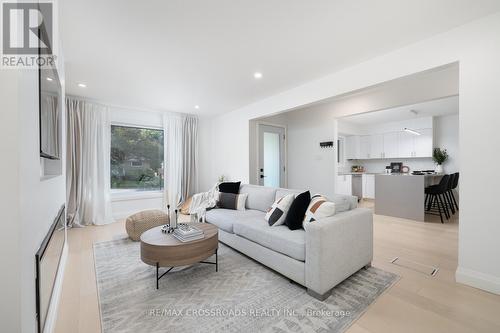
{"x":281,"y":192}
{"x":297,"y":211}
{"x":279,"y":239}
{"x":225,"y":218}
{"x":230,"y":187}
{"x":277,"y":213}
{"x":232,"y":201}
{"x":344,"y":202}
{"x":319,"y":208}
{"x":259,"y":197}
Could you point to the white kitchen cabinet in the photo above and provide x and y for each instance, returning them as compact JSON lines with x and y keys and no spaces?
{"x":344,"y":184}
{"x":423,"y":143}
{"x":411,"y":145}
{"x":391,"y":145}
{"x":368,"y":186}
{"x":364,"y":147}
{"x":406,"y":144}
{"x":377,"y":146}
{"x":352,"y":147}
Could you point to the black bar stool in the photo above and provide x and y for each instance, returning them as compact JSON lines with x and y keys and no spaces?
{"x":447,"y":194}
{"x":435,"y":197}
{"x":453,"y":187}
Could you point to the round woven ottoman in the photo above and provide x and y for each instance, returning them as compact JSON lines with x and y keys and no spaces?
{"x":138,"y":223}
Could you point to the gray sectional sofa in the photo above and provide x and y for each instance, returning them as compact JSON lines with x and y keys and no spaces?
{"x":318,"y":257}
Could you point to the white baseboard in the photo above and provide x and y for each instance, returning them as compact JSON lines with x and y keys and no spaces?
{"x":479,"y":280}
{"x":50,"y":321}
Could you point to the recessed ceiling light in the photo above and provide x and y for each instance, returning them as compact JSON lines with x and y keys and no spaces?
{"x":82,"y":85}
{"x":50,"y":79}
{"x":196,"y":107}
{"x":257,"y":75}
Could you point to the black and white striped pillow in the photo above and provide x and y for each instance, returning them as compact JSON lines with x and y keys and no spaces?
{"x":276,"y":214}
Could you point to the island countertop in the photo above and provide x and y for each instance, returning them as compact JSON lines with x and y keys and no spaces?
{"x":402,"y":195}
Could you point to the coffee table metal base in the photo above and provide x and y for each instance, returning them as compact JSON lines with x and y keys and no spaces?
{"x":158,"y":276}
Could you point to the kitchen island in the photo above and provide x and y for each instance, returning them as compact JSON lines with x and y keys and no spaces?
{"x":402,"y":195}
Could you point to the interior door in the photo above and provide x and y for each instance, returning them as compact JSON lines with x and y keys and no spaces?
{"x":272,"y":167}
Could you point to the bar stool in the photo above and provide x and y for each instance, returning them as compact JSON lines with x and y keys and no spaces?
{"x":453,"y":187}
{"x":447,"y":194}
{"x":435,"y":197}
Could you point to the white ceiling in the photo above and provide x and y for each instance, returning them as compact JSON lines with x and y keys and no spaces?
{"x":435,"y":108}
{"x":173,"y":55}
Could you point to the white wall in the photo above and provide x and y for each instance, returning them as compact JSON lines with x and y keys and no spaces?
{"x":446,"y":135}
{"x":10,"y":245}
{"x":29,"y":203}
{"x":475,"y":46}
{"x":309,"y":166}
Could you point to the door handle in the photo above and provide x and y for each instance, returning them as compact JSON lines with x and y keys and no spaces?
{"x":262,"y":176}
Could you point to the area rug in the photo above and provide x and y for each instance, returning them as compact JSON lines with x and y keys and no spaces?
{"x":244,"y":296}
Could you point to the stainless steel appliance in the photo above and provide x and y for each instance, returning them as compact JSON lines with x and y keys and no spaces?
{"x":396,"y":167}
{"x":357,"y":186}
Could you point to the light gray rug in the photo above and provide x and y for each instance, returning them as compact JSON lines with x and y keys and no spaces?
{"x":244,"y":296}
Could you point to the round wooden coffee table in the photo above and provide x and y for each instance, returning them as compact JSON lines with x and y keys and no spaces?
{"x":164,"y":250}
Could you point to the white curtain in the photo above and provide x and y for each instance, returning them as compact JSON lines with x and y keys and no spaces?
{"x":173,"y":156}
{"x":181,"y":153}
{"x":88,"y":163}
{"x":189,"y":184}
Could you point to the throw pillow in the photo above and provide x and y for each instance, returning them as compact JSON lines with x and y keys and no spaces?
{"x":232,"y":201}
{"x":230,"y":187}
{"x":297,"y":211}
{"x":319,"y":208}
{"x":277,"y":213}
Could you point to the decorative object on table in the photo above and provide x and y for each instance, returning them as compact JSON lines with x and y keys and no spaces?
{"x":232,"y":201}
{"x":138,"y":223}
{"x":388,"y":169}
{"x":439,"y":156}
{"x":357,"y":168}
{"x":405,"y":169}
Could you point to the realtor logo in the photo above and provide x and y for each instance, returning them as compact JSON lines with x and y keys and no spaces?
{"x":27,"y":34}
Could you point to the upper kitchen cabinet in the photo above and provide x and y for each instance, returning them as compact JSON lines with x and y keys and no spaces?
{"x":412,"y":145}
{"x":352,"y":147}
{"x":377,"y":146}
{"x":423,"y":143}
{"x":391,"y":145}
{"x":406,"y":144}
{"x":365,"y":147}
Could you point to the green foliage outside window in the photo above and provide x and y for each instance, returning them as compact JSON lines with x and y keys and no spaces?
{"x":136,"y":158}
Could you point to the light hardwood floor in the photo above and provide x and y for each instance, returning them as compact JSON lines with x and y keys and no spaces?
{"x":416,"y":303}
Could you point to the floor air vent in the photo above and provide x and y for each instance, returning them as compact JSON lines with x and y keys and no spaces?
{"x":415,"y":266}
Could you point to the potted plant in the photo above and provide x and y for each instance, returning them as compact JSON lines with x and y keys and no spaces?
{"x":439,"y":156}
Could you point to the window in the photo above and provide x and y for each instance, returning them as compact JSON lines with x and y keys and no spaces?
{"x":136,"y":159}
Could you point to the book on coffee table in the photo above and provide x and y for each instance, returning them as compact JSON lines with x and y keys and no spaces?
{"x":187,"y":231}
{"x":185,"y":239}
